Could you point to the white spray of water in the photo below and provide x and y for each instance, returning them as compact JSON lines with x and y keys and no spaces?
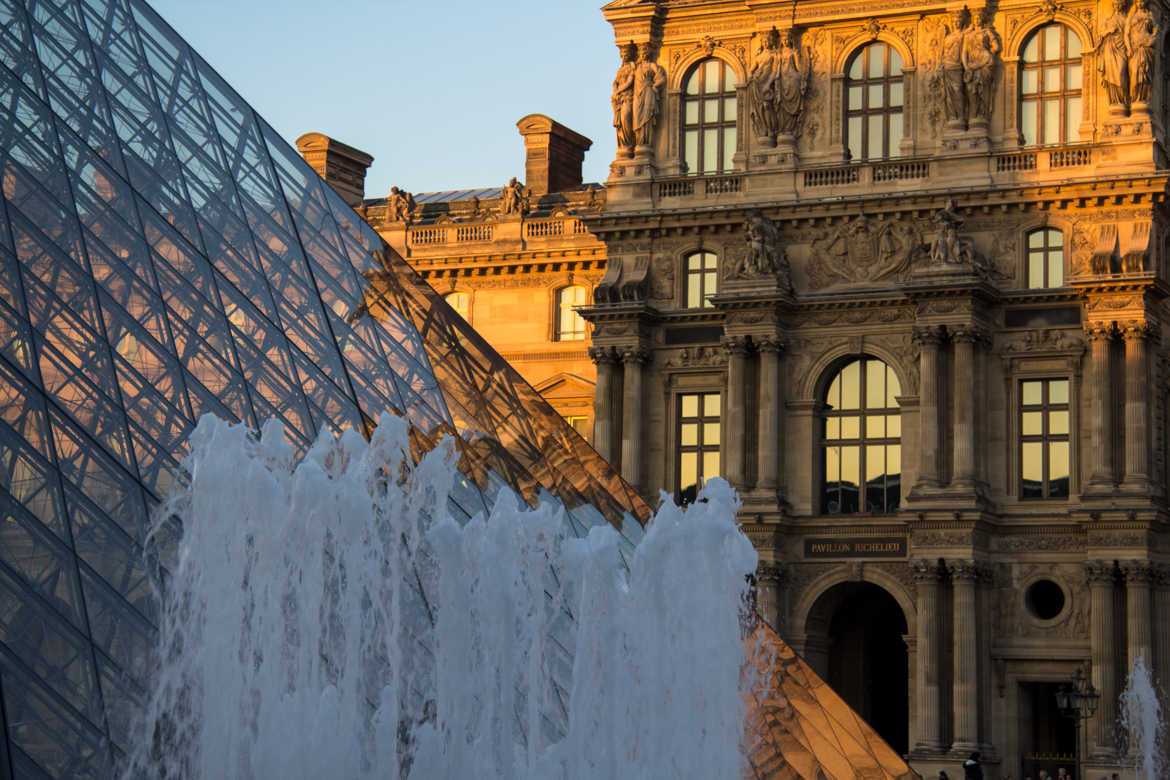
{"x":329,"y":619}
{"x":1141,"y":717}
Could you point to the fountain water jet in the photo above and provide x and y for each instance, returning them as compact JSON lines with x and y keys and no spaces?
{"x":1141,"y":718}
{"x":329,"y":619}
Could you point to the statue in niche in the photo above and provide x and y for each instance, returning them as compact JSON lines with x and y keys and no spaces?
{"x":1141,"y":36}
{"x":1114,"y":66}
{"x":512,"y":197}
{"x":649,"y":79}
{"x":954,"y":88}
{"x":793,"y":83}
{"x":763,"y":85}
{"x":948,"y":248}
{"x":764,"y":256}
{"x":399,"y":205}
{"x":623,"y":100}
{"x":981,"y":45}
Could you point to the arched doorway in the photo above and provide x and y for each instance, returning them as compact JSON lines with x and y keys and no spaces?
{"x":857,"y":629}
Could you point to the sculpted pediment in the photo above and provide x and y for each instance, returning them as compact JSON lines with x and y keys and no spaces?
{"x":565,"y":385}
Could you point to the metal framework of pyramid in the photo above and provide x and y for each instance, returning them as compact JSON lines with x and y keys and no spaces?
{"x":164,"y":254}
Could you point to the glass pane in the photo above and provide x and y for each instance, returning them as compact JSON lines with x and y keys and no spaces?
{"x":833,"y":397}
{"x":729,"y":137}
{"x":711,"y":110}
{"x":711,"y":77}
{"x":874,"y":131}
{"x":1031,"y":423}
{"x":709,"y":260}
{"x":1072,"y":44}
{"x":1072,"y":119}
{"x":688,"y":469}
{"x":692,"y":112}
{"x":729,"y":109}
{"x":1073,"y":77}
{"x":896,"y":94}
{"x":1057,"y":423}
{"x":693,"y":83}
{"x":695,"y":261}
{"x":1031,"y":469}
{"x":895,"y":63}
{"x":711,"y":434}
{"x":1035,"y":270}
{"x":850,"y":478}
{"x":1058,"y":391}
{"x":876,"y":98}
{"x":877,"y":62}
{"x":1051,"y":42}
{"x":832,"y":464}
{"x":1052,"y":79}
{"x":832,"y":427}
{"x":1036,"y":239}
{"x":711,"y":405}
{"x":893,"y":389}
{"x":1029,"y":81}
{"x":855,"y":66}
{"x":1031,"y":49}
{"x":893,"y":460}
{"x":875,"y":386}
{"x":1028,"y":122}
{"x":708,"y":288}
{"x":1051,"y":122}
{"x":1056,"y":269}
{"x":1031,"y":393}
{"x":851,"y":386}
{"x":875,"y":462}
{"x":895,"y":135}
{"x":729,"y":80}
{"x":1058,"y":469}
{"x":894,"y":426}
{"x":855,"y":137}
{"x":691,"y":150}
{"x":855,"y":98}
{"x":688,"y":435}
{"x":710,"y":150}
{"x":1054,"y":237}
{"x":850,"y":427}
{"x":694,"y":291}
{"x":690,"y":405}
{"x":875,"y":427}
{"x":710,"y":465}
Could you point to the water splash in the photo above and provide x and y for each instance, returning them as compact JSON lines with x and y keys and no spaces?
{"x":1141,"y":718}
{"x":329,"y":619}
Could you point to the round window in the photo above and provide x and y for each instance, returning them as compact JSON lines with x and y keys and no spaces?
{"x":1044,"y":599}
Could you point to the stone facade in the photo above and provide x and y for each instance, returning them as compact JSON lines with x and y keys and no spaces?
{"x":959,"y":197}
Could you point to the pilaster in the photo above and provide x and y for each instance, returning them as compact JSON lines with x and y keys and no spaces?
{"x":1100,"y":576}
{"x":966,"y":689}
{"x":1139,"y":576}
{"x":735,"y":414}
{"x":633,"y":360}
{"x":606,"y":359}
{"x":928,"y":340}
{"x":928,"y":693}
{"x":1100,"y":393}
{"x":770,"y":401}
{"x":1137,"y":419}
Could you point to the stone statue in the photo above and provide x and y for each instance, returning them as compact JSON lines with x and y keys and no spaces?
{"x":399,"y":205}
{"x":1114,"y":66}
{"x":1141,"y":36}
{"x":764,"y":88}
{"x":948,"y":248}
{"x":764,"y":256}
{"x":623,"y":100}
{"x":954,"y":88}
{"x":793,"y":83}
{"x":649,"y":79}
{"x":981,"y":46}
{"x":512,"y":197}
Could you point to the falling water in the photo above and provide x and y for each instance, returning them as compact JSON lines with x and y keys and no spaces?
{"x":1141,"y":718}
{"x":328,"y":618}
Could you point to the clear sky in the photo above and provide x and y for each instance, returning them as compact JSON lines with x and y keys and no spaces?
{"x":433,"y":90}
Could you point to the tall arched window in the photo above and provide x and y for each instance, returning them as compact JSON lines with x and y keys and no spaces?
{"x":570,"y":324}
{"x":875,"y":92}
{"x":861,"y":440}
{"x":1045,"y":259}
{"x":461,"y":303}
{"x":709,"y":111}
{"x":1050,"y":86}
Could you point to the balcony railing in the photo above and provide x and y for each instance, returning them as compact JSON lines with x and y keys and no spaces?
{"x":473,"y":233}
{"x":428,"y":236}
{"x":708,"y":186}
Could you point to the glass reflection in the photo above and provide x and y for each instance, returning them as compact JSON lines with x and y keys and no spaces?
{"x":863,"y":463}
{"x":1045,"y":469}
{"x":699,"y":435}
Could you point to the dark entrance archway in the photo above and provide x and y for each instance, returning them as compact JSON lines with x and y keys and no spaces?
{"x":864,"y":655}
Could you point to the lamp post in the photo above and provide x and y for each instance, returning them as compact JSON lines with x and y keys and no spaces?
{"x":1077,"y":699}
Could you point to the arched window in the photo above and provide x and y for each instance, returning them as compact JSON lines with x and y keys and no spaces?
{"x":461,"y":303}
{"x":1045,"y":259}
{"x":861,"y":439}
{"x":875,"y":93}
{"x":570,"y":324}
{"x":709,"y":111}
{"x":1050,"y":86}
{"x":701,"y":271}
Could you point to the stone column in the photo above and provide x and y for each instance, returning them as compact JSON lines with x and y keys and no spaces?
{"x":734,"y":414}
{"x":770,"y":577}
{"x":1139,"y":575}
{"x":1136,"y":415}
{"x":632,"y":361}
{"x":928,"y":340}
{"x":606,"y":361}
{"x":1100,"y":577}
{"x":928,"y":694}
{"x":964,"y":339}
{"x":964,"y":575}
{"x":1101,"y":447}
{"x":768,"y":463}
{"x":1162,"y":629}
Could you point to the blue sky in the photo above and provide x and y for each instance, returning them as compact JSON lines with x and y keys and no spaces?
{"x":432,"y":90}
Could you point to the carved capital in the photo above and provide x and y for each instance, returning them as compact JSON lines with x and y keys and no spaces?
{"x":928,"y":335}
{"x":1135,"y":330}
{"x":771,"y":573}
{"x":603,"y":355}
{"x":1098,"y":331}
{"x":735,"y":346}
{"x":1138,"y":572}
{"x":772,"y":344}
{"x":635,"y":355}
{"x":925,"y":571}
{"x":964,"y":571}
{"x":968,"y":334}
{"x":1099,"y":573}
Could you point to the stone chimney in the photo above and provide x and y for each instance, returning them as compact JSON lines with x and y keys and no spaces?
{"x":342,"y":167}
{"x":554,"y":155}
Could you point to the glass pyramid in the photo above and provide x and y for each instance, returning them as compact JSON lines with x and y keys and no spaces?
{"x":164,"y":254}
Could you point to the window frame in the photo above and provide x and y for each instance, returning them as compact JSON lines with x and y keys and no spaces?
{"x":559,"y":311}
{"x":863,"y":440}
{"x":725,"y":127}
{"x":466,"y":313}
{"x":1067,"y":134}
{"x":708,"y":276}
{"x":885,"y":110}
{"x":1045,"y":252}
{"x":700,"y":448}
{"x":1045,"y":437}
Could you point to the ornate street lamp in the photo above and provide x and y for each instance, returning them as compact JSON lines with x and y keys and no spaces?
{"x":1077,"y":700}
